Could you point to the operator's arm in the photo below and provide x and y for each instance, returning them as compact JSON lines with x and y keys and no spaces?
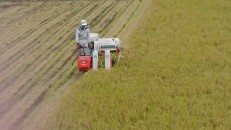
{"x":77,"y":36}
{"x":77,"y":39}
{"x":88,"y":35}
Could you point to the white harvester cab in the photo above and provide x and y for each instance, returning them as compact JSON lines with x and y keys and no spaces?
{"x":108,"y":46}
{"x":104,"y":44}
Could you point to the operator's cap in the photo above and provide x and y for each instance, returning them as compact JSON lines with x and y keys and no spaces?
{"x":83,"y":22}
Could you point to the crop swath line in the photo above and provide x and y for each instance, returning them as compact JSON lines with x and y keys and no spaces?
{"x":20,"y":52}
{"x":17,"y":96}
{"x":19,"y":17}
{"x":103,"y":13}
{"x":10,"y":38}
{"x":26,"y":113}
{"x":64,"y":80}
{"x":38,"y":27}
{"x":130,"y":17}
{"x":46,"y":12}
{"x":117,"y":15}
{"x":108,"y":21}
{"x":18,"y":39}
{"x":57,"y":13}
{"x":44,"y":43}
{"x":29,"y":32}
{"x":68,"y":49}
{"x":71,"y":73}
{"x":15,"y":28}
{"x":25,"y":17}
{"x":37,"y":101}
{"x":69,"y":59}
{"x":35,"y":59}
{"x":53,"y":51}
{"x":9,"y":11}
{"x":91,"y":10}
{"x":58,"y":39}
{"x":43,"y":11}
{"x":107,"y":15}
{"x":48,"y":39}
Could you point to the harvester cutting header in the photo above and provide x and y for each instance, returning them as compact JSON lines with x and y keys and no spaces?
{"x":95,"y":52}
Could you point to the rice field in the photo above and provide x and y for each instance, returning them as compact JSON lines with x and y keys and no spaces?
{"x":176,"y":76}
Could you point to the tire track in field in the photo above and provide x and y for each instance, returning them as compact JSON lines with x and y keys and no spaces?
{"x":27,"y":29}
{"x":24,"y":50}
{"x":121,"y":9}
{"x":70,"y":56}
{"x":13,"y":61}
{"x":31,"y":108}
{"x":12,"y":27}
{"x":21,"y":14}
{"x":118,"y":15}
{"x":48,"y":78}
{"x":95,"y":21}
{"x":17,"y":96}
{"x":35,"y":58}
{"x":10,"y":10}
{"x":20,"y":22}
{"x":66,"y":60}
{"x":129,"y":19}
{"x":29,"y":32}
{"x":109,"y":20}
{"x":18,"y":29}
{"x":69,"y":74}
{"x":52,"y":65}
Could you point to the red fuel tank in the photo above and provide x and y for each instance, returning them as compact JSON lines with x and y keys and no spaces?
{"x":84,"y":63}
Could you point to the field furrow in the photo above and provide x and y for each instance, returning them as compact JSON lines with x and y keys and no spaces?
{"x":44,"y":71}
{"x":121,"y":17}
{"x":29,"y":25}
{"x":28,"y":10}
{"x":10,"y":10}
{"x":23,"y":46}
{"x":35,"y":58}
{"x":54,"y":41}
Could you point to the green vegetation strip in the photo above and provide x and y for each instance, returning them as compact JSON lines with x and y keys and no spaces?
{"x":177,"y":75}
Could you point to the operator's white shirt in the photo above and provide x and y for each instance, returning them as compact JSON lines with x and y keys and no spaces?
{"x":82,"y":36}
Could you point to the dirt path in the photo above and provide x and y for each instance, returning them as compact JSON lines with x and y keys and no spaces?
{"x":37,"y":53}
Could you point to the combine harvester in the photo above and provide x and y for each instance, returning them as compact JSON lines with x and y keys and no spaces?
{"x":104,"y":53}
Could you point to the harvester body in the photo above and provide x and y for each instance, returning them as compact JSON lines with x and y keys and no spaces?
{"x":100,"y":47}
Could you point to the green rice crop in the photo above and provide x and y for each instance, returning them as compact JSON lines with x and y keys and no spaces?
{"x":176,"y":76}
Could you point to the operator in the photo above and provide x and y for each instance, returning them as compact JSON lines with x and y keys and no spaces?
{"x":82,"y":38}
